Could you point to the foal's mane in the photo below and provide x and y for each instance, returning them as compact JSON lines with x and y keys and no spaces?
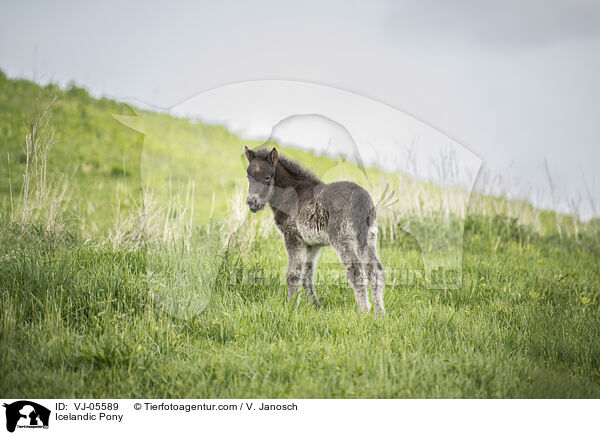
{"x":292,"y":167}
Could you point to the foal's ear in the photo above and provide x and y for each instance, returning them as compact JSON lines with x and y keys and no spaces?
{"x":273,"y":156}
{"x":249,"y":153}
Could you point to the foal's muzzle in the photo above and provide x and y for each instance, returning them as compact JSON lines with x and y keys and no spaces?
{"x":254,"y":204}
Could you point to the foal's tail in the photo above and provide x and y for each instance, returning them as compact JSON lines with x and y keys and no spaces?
{"x":364,"y":211}
{"x":363,"y":215}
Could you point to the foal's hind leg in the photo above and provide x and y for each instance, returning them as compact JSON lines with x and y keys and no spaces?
{"x":355,"y":273}
{"x":374,"y":271}
{"x":308,"y":273}
{"x":376,"y":280}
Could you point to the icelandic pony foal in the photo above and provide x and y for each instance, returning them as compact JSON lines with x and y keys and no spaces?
{"x":311,"y":214}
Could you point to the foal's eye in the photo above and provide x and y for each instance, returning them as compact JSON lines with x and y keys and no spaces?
{"x":268,"y":179}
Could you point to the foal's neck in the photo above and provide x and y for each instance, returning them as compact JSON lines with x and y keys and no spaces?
{"x":288,"y":191}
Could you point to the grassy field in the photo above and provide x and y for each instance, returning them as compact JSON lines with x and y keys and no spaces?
{"x":91,"y":263}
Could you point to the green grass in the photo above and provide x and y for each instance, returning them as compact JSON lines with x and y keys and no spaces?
{"x":81,"y":317}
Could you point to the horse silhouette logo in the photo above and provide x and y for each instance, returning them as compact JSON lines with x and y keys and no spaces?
{"x":26,"y":414}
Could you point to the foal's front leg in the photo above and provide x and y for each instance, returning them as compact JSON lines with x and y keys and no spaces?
{"x":296,"y":253}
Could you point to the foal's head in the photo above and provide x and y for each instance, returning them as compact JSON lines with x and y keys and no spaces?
{"x":261,"y":175}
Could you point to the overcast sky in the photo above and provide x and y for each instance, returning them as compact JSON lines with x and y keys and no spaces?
{"x":515,"y":82}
